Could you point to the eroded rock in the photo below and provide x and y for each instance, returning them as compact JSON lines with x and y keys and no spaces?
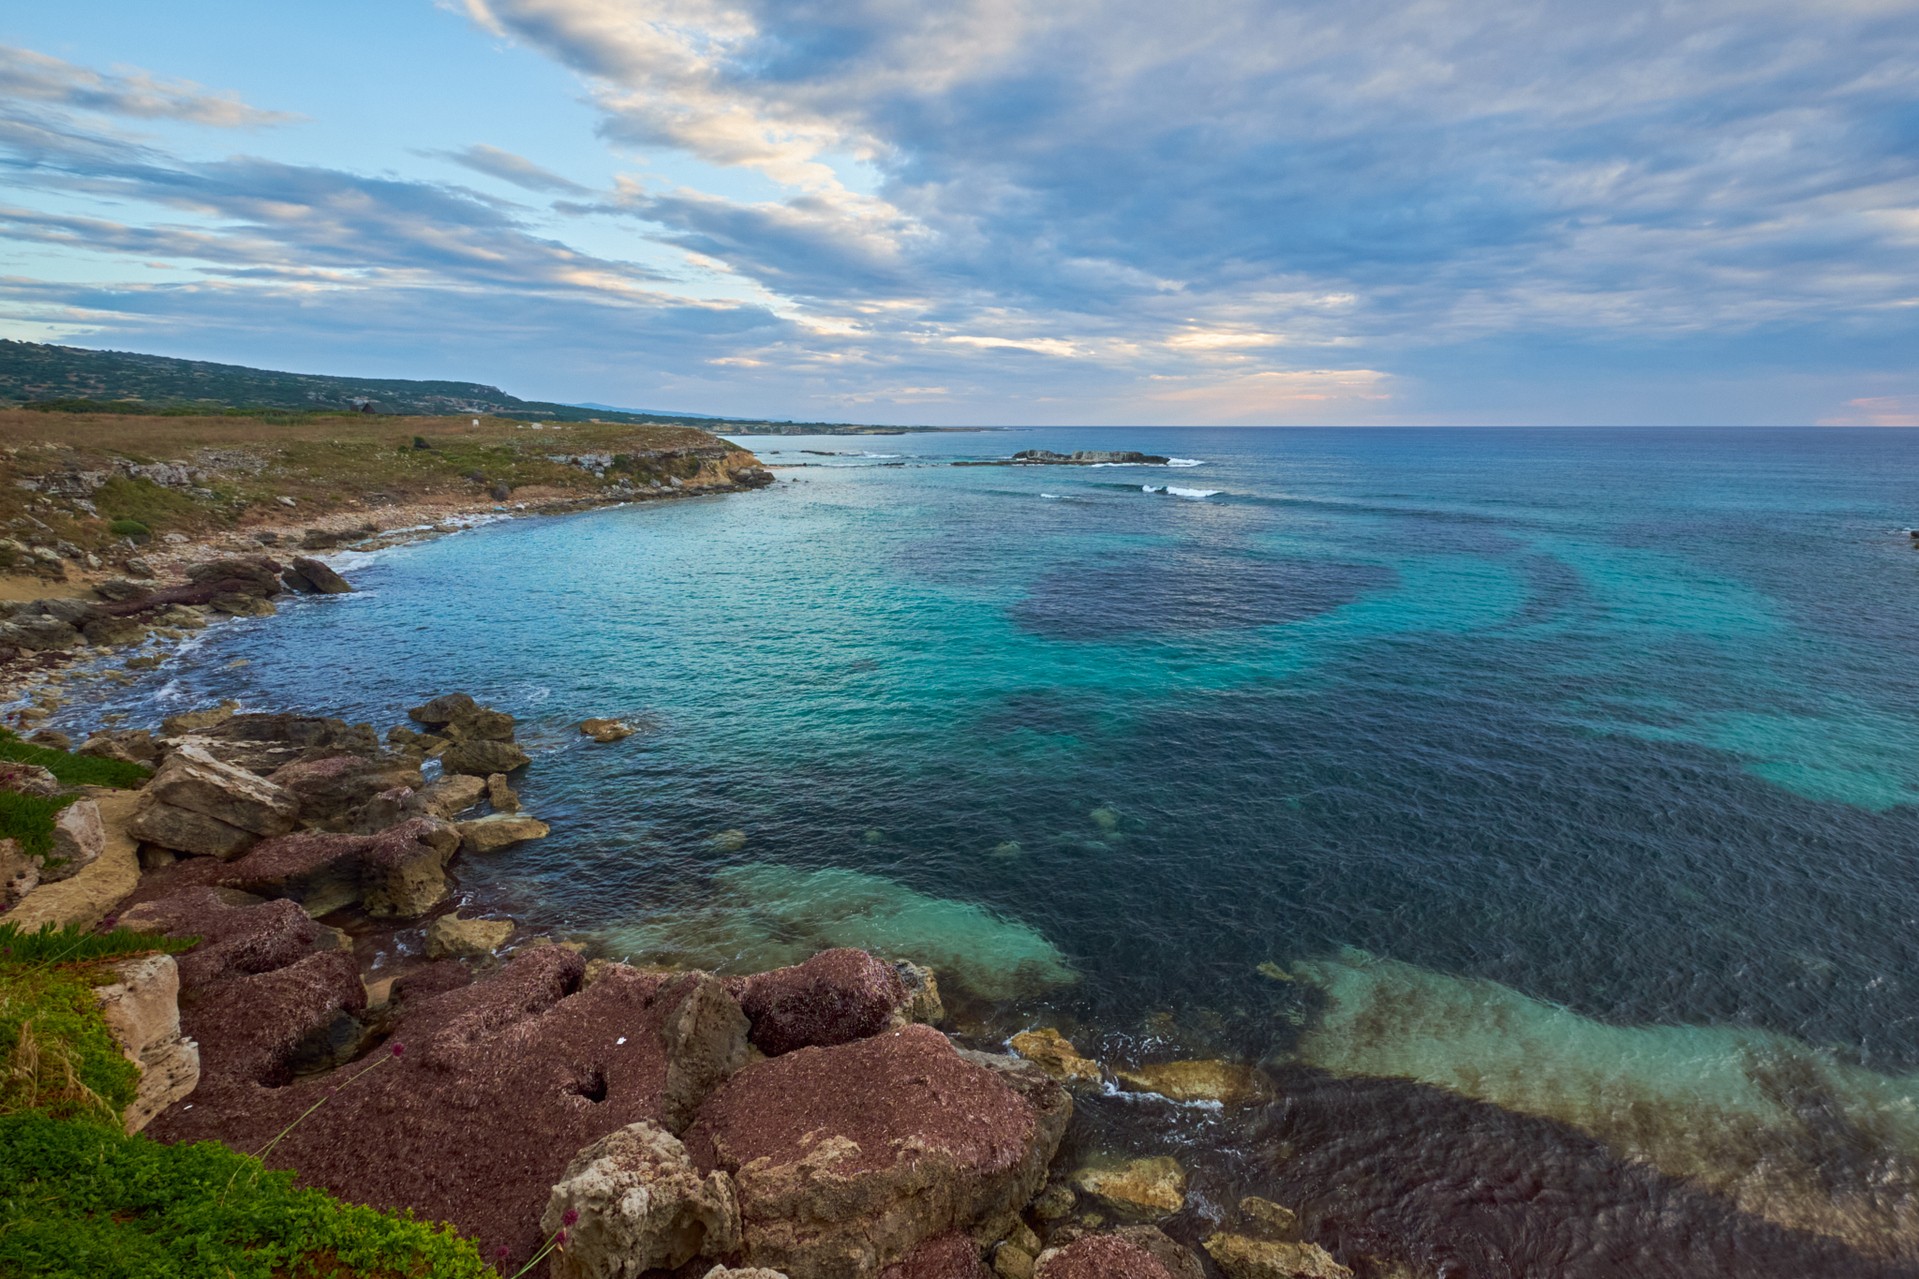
{"x":483,"y":757}
{"x":1137,"y":1253}
{"x":1229,"y":1083}
{"x":450,"y":937}
{"x":142,"y":1009}
{"x":849,"y":1157}
{"x":639,"y":1205}
{"x":1242,"y":1257}
{"x":1154,"y":1187}
{"x":835,"y":997}
{"x":501,"y":830}
{"x":1053,"y":1053}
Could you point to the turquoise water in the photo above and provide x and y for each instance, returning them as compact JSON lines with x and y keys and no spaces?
{"x":1568,"y":777}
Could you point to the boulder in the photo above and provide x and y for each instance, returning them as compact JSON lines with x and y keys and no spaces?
{"x":453,"y":794}
{"x":128,"y":745}
{"x":181,"y":830}
{"x":327,"y":790}
{"x":399,"y":872}
{"x":28,"y":779}
{"x":78,"y":840}
{"x":254,"y":575}
{"x":53,"y":738}
{"x":502,"y":830}
{"x":1053,"y":1053}
{"x":119,"y":590}
{"x":923,"y":1003}
{"x":192,"y":781}
{"x":606,"y":730}
{"x":196,"y":721}
{"x":705,"y":1038}
{"x":1228,"y":1083}
{"x":114,"y":632}
{"x":638,"y":1205}
{"x":1154,"y":1187}
{"x":89,"y":895}
{"x":1241,"y":1257}
{"x":312,"y":577}
{"x":239,"y":604}
{"x":264,"y":743}
{"x":1138,"y":1253}
{"x":443,"y":710}
{"x":483,"y":758}
{"x":742,"y":1272}
{"x":1268,"y":1219}
{"x":847,"y":1158}
{"x":141,"y":1007}
{"x":501,"y":795}
{"x":481,"y":725}
{"x":835,"y":997}
{"x":450,"y":937}
{"x":39,"y":634}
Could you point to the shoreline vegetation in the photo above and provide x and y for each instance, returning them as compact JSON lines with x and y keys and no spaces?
{"x":307,"y":1013}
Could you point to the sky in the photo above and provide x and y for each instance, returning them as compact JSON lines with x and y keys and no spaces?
{"x":992,"y":212}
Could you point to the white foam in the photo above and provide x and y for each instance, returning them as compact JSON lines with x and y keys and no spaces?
{"x":1175,"y":490}
{"x":1185,"y":461}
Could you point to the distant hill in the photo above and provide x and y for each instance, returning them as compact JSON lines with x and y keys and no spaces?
{"x":70,"y":377}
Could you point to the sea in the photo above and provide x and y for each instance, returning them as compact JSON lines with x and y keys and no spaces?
{"x":1538,"y":808}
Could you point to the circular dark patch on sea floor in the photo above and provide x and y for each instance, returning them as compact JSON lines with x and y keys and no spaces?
{"x":1189,"y":590}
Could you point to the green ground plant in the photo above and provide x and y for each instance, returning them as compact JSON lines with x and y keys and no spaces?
{"x":78,"y":1197}
{"x":71,"y":769}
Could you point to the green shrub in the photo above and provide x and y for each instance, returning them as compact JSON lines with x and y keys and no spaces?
{"x":74,"y":770}
{"x":56,"y":1055}
{"x":139,"y":499}
{"x":82,"y":1199}
{"x":130,"y":528}
{"x":30,"y":818}
{"x":72,"y":944}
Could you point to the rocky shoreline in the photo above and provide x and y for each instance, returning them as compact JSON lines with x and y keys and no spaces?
{"x":339,"y":1015}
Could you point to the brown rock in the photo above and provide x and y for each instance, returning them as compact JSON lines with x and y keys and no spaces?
{"x":481,"y":725}
{"x":113,"y":632}
{"x":502,"y":830}
{"x":198,"y":721}
{"x":19,"y":875}
{"x":923,"y":1003}
{"x":240,"y":604}
{"x":483,"y":758}
{"x":639,"y":1205}
{"x":453,"y":794}
{"x":327,"y":790}
{"x":89,"y":895}
{"x":398,"y":872}
{"x":443,"y":710}
{"x":1268,"y":1219}
{"x":194,"y":780}
{"x":849,"y":1157}
{"x":262,"y":743}
{"x":310,"y":576}
{"x":179,"y":830}
{"x":835,"y":997}
{"x":501,"y":795}
{"x":1053,"y":1053}
{"x":1137,"y":1253}
{"x":450,"y":937}
{"x":238,"y":574}
{"x":705,"y":1040}
{"x":606,"y":730}
{"x":1229,"y":1083}
{"x":953,"y":1256}
{"x":1154,"y":1187}
{"x":129,"y":745}
{"x":1243,"y":1258}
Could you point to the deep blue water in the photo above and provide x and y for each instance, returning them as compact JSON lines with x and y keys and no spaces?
{"x":1567,"y":772}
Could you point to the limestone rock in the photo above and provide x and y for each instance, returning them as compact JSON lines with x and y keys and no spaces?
{"x":78,"y":840}
{"x":253,"y":575}
{"x":443,"y":710}
{"x":326,"y":790}
{"x":199,"y":720}
{"x":28,"y":779}
{"x":482,"y":758}
{"x":1153,"y":1187}
{"x":236,"y":604}
{"x":847,"y":1158}
{"x":1230,"y":1083}
{"x":923,"y":1003}
{"x":1268,"y":1219}
{"x":606,"y":730}
{"x":453,"y":794}
{"x":641,"y":1206}
{"x":113,"y":632}
{"x":19,"y":875}
{"x":449,"y":936}
{"x":1245,"y":1258}
{"x":1055,"y":1203}
{"x":142,"y":1009}
{"x":502,"y":830}
{"x":128,"y":745}
{"x":1053,"y":1053}
{"x":398,"y":872}
{"x":1140,"y":1252}
{"x":705,"y":1038}
{"x":835,"y":997}
{"x":180,"y":830}
{"x":262,"y":743}
{"x":39,"y":634}
{"x":501,"y":795}
{"x":194,"y":780}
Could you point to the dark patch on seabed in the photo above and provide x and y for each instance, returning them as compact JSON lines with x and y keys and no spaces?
{"x":1186,"y":591}
{"x":1461,"y":1190}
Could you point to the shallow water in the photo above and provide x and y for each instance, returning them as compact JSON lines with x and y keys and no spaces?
{"x":1598,"y":748}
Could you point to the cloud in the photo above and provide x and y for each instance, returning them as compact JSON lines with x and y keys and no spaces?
{"x":508,"y":167}
{"x":1876,"y":410}
{"x":26,"y":76}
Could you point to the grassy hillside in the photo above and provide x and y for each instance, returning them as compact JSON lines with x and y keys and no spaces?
{"x":109,"y":484}
{"x":74,"y":379}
